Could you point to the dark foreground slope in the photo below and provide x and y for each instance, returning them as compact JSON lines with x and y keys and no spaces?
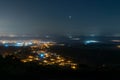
{"x":95,"y":63}
{"x":13,"y":69}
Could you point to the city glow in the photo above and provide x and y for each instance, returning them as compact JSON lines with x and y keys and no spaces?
{"x":38,"y":53}
{"x":91,"y":41}
{"x":115,"y":40}
{"x":118,"y":46}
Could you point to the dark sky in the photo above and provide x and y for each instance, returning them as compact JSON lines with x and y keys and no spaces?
{"x":60,"y":16}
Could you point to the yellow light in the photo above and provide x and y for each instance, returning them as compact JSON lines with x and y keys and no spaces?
{"x":58,"y":57}
{"x":52,"y":59}
{"x":30,"y":57}
{"x":30,"y":60}
{"x":53,"y":62}
{"x":24,"y":61}
{"x":69,"y":61}
{"x":73,"y":67}
{"x":45,"y":61}
{"x":73,"y":64}
{"x":36,"y":58}
{"x":58,"y":61}
{"x":62,"y":60}
{"x":46,"y":55}
{"x":61,"y":64}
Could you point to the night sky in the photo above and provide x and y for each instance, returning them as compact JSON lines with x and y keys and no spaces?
{"x":60,"y":16}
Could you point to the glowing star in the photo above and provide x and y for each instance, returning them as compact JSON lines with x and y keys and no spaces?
{"x":70,"y":17}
